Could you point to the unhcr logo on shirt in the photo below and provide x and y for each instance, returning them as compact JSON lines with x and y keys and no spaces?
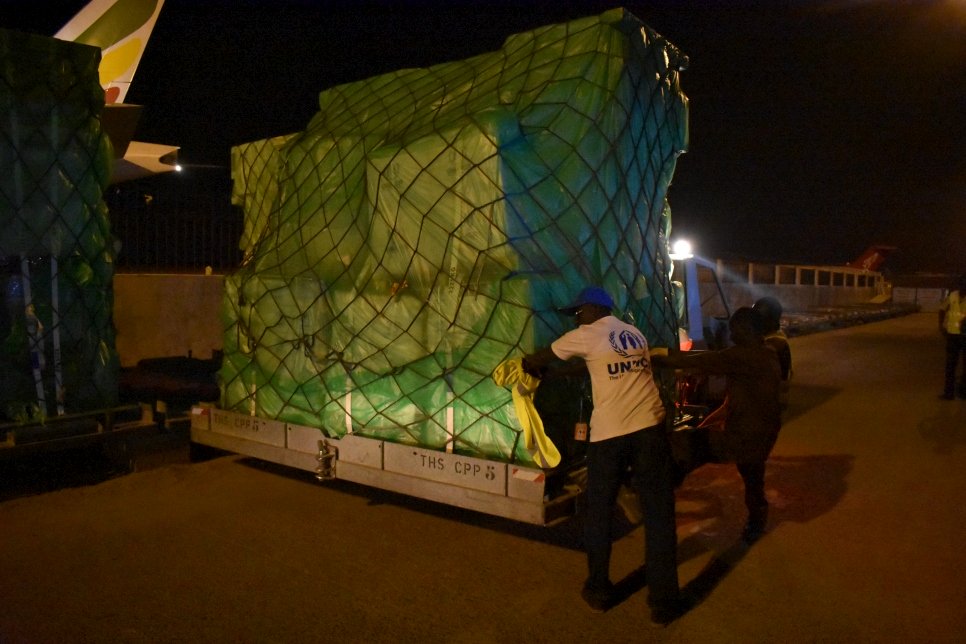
{"x":623,"y":344}
{"x":626,"y":341}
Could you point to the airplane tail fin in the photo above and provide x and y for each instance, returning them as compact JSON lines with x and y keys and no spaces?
{"x":872,"y":258}
{"x":121,"y":29}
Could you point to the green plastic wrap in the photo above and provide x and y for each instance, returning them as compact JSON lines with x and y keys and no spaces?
{"x":426,"y":224}
{"x":57,"y":352}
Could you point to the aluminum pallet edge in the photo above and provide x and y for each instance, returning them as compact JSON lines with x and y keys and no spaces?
{"x":492,"y":487}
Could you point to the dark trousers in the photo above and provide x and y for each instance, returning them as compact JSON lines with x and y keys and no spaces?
{"x":693,"y":448}
{"x":753,"y":475}
{"x":648,"y":453}
{"x":955,"y":346}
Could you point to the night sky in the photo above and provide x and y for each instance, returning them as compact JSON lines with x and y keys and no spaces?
{"x":817,"y":127}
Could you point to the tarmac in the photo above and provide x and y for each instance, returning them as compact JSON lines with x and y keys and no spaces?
{"x":866,"y":486}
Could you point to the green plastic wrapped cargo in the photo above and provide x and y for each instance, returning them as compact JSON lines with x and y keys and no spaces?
{"x":427,"y":223}
{"x":57,"y":351}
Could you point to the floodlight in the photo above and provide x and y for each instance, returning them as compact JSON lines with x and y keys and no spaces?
{"x":681,"y":249}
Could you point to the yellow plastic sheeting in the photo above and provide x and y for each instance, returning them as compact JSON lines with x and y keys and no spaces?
{"x":511,"y":374}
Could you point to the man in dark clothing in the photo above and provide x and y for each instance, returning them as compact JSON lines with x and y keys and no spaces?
{"x":744,"y":428}
{"x":770,"y":310}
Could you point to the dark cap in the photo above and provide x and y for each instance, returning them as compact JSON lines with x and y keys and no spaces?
{"x":590,"y":295}
{"x":769,"y":306}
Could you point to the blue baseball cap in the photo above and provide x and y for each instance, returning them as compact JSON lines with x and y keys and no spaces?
{"x":590,"y":295}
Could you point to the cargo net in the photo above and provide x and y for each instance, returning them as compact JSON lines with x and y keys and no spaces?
{"x":57,"y":351}
{"x":428,"y":223}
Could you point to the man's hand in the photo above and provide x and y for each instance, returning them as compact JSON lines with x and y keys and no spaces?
{"x":536,"y":363}
{"x":533,"y":370}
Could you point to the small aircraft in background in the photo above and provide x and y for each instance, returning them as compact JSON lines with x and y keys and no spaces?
{"x":121,"y":29}
{"x":872,"y":258}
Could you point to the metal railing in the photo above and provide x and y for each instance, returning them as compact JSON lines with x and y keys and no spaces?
{"x":170,"y":223}
{"x":794,"y":275}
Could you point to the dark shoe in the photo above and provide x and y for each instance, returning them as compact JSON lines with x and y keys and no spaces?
{"x":750,"y":536}
{"x":753,"y":532}
{"x":755,"y":526}
{"x":666,"y":612}
{"x":599,"y":599}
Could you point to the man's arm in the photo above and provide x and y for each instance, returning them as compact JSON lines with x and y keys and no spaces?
{"x":536,"y":364}
{"x":671,"y":360}
{"x":716,"y":362}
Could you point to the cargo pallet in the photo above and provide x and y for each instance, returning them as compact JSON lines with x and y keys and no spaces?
{"x":70,"y":431}
{"x":516,"y":492}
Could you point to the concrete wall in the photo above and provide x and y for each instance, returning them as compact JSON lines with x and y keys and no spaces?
{"x":927,"y":299}
{"x":798,"y":287}
{"x":792,"y":297}
{"x":163,"y":315}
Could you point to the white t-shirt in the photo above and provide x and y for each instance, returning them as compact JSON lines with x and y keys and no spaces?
{"x":626,"y":398}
